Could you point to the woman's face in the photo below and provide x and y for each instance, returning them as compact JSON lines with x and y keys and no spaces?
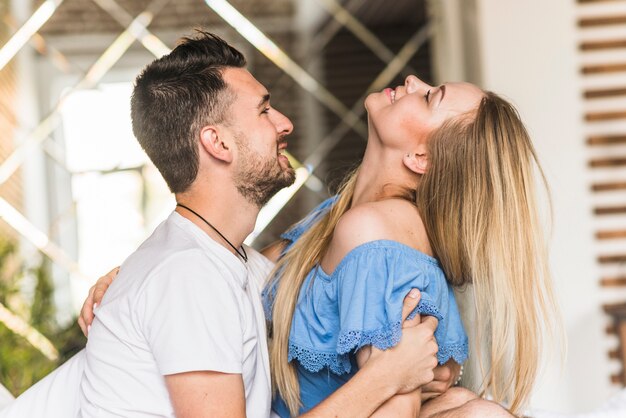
{"x":411,"y":111}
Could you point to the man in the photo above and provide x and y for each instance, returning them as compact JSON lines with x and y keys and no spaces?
{"x":181,"y":331}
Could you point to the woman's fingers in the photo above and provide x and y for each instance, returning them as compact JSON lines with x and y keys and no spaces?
{"x":96,"y":293}
{"x":103,"y":284}
{"x":444,"y":377}
{"x":86,"y":313}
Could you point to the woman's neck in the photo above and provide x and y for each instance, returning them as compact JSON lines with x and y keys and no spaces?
{"x":381,"y":174}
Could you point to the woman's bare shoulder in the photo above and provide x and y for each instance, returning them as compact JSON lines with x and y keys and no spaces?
{"x":391,"y":219}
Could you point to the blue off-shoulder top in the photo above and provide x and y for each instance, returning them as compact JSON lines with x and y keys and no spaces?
{"x":360,"y":304}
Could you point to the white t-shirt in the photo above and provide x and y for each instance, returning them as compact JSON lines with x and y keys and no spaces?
{"x":180,"y":303}
{"x":54,"y":396}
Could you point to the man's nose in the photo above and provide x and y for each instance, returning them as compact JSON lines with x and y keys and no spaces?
{"x":283,"y":124}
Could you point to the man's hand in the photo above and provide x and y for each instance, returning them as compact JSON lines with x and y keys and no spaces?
{"x":96,"y":293}
{"x":401,"y":369}
{"x":445,"y":376}
{"x":410,"y":364}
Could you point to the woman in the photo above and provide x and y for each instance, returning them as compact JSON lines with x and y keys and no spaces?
{"x":447,"y":175}
{"x":447,"y":172}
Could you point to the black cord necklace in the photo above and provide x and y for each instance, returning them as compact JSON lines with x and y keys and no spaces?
{"x":241,"y":253}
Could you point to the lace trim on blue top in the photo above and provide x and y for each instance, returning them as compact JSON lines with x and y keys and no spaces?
{"x":314,"y":361}
{"x":383,"y":339}
{"x":457,"y":352}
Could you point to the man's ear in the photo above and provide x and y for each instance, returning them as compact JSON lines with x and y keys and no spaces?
{"x":212,"y":141}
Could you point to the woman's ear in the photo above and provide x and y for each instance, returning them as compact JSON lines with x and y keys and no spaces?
{"x":212,"y":141}
{"x":417,"y":163}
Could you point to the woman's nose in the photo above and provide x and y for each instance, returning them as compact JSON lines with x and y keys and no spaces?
{"x":414,"y":84}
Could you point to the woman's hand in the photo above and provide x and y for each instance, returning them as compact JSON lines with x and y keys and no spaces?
{"x":445,"y":377}
{"x":96,"y":293}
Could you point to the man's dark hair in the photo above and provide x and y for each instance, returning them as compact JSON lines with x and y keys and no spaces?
{"x":175,"y":96}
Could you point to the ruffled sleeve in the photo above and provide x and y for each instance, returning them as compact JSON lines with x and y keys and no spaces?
{"x":361,"y":304}
{"x":293,"y":233}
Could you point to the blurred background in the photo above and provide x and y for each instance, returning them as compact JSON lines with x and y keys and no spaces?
{"x":77,"y":194}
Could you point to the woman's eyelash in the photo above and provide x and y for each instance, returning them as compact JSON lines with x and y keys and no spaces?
{"x":266,"y":110}
{"x":428,"y":96}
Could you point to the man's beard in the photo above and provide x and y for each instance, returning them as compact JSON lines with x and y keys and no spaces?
{"x":258,"y":179}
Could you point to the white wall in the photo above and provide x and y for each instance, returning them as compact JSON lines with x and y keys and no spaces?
{"x":527,"y":51}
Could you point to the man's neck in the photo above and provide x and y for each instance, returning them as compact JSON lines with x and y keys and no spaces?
{"x":232,"y":215}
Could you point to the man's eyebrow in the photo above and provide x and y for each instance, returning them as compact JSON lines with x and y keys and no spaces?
{"x":264,"y":100}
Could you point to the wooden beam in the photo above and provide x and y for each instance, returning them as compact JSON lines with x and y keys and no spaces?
{"x":606,"y":140}
{"x":603,"y":68}
{"x":609,"y":259}
{"x":600,"y":116}
{"x":608,"y":187}
{"x":586,"y":22}
{"x":617,"y":310}
{"x":612,"y":234}
{"x":621,"y":330}
{"x":607,"y":162}
{"x":603,"y":93}
{"x":605,"y":44}
{"x":613,"y":281}
{"x":610,"y":210}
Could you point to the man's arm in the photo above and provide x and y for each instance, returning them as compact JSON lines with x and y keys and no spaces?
{"x":207,"y":394}
{"x":274,"y":250}
{"x":399,"y":370}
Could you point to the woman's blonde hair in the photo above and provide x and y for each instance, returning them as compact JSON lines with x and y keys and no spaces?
{"x":289,"y":274}
{"x":478,"y":204}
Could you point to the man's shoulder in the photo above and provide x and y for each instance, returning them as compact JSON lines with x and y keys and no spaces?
{"x":169,"y":254}
{"x":167,"y":244}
